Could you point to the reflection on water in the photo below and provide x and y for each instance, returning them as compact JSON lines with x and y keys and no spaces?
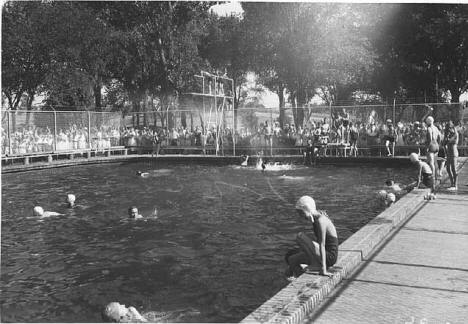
{"x":216,"y":248}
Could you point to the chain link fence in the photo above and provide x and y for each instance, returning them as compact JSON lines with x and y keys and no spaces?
{"x":29,"y":132}
{"x":224,"y":131}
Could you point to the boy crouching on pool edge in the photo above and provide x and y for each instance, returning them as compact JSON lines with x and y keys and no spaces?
{"x":317,"y":255}
{"x":425,"y":174}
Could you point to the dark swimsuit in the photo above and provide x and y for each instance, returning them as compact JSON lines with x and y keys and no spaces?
{"x":427,"y":180}
{"x":295,"y":257}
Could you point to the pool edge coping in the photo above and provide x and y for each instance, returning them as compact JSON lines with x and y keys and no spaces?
{"x":76,"y":161}
{"x":293,"y":303}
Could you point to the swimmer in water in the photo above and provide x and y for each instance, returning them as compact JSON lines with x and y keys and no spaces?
{"x":245,"y":159}
{"x":425,"y":175}
{"x":133,"y":213}
{"x":390,"y":199}
{"x":382,"y":194}
{"x":393,"y":187}
{"x":117,"y":313}
{"x":263,"y":165}
{"x":71,"y":200}
{"x":386,"y":198}
{"x":39,"y":212}
{"x":142,"y":174}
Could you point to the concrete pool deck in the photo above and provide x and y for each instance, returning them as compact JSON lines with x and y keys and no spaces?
{"x":407,"y":264}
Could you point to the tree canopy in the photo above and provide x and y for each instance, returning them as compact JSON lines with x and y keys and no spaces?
{"x":71,"y":51}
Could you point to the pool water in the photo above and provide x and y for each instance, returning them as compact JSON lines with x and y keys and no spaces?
{"x":214,"y":254}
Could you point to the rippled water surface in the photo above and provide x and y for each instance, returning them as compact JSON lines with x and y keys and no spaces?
{"x":214,"y":254}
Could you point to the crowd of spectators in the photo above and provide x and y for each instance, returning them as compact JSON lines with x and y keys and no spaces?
{"x":321,"y":132}
{"x":34,"y":139}
{"x":343,"y":130}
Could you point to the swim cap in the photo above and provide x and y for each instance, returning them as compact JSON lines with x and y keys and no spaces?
{"x":112,"y":313}
{"x":71,"y":198}
{"x":430,"y":119}
{"x":391,"y":197}
{"x":382,"y":194}
{"x":38,"y":211}
{"x":306,"y":204}
{"x":413,"y":157}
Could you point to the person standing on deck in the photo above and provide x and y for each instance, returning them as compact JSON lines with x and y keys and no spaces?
{"x":433,"y":139}
{"x":451,"y":142}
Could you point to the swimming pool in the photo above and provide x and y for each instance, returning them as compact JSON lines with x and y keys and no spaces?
{"x":215,"y":252}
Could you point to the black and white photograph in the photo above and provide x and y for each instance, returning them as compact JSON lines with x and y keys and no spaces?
{"x":234,"y":162}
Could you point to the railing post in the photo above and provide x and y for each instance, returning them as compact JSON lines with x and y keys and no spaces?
{"x":270,"y":138}
{"x":89,"y":130}
{"x":233,"y":131}
{"x":216,"y":118}
{"x":9,"y":134}
{"x":55,"y":131}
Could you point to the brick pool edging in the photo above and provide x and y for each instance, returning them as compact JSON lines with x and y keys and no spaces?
{"x":300,"y":297}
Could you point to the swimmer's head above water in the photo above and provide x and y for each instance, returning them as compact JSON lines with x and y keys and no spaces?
{"x":71,"y":200}
{"x":133,"y":213}
{"x":306,"y":208}
{"x":389,"y":182}
{"x":142,"y":174}
{"x":38,"y":211}
{"x":117,"y":313}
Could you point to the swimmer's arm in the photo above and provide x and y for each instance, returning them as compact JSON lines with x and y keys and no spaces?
{"x":136,"y":315}
{"x":51,"y":213}
{"x":323,"y":254}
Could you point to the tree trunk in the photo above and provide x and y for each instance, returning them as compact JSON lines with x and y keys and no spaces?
{"x":97,"y":97}
{"x":301,"y":101}
{"x":236,"y":95}
{"x":455,"y":94}
{"x":183,"y":119}
{"x":136,"y":111}
{"x":14,"y":100}
{"x":294,"y":106}
{"x":31,"y":95}
{"x":282,"y":110}
{"x":29,"y":105}
{"x":456,"y":111}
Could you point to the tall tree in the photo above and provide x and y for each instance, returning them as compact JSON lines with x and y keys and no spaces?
{"x":158,"y":47}
{"x":223,"y":46}
{"x":26,"y":57}
{"x":422,"y":48}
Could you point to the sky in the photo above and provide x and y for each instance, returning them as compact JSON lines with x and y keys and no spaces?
{"x":226,"y":9}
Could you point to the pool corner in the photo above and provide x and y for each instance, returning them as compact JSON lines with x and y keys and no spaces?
{"x":293,"y":303}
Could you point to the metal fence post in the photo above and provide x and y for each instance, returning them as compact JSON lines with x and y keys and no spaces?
{"x":55,"y":130}
{"x":8,"y":133}
{"x":270,"y":134}
{"x":89,"y":130}
{"x":233,"y":131}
